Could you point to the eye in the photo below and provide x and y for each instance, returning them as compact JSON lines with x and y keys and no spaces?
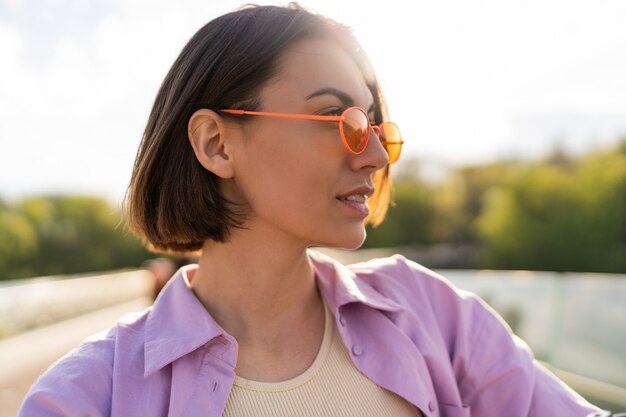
{"x":333,"y":112}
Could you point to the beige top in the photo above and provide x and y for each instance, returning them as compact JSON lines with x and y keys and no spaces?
{"x":331,"y":386}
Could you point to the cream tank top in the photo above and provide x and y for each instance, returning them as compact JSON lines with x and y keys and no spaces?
{"x":331,"y":386}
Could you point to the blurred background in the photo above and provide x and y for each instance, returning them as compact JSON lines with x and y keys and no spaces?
{"x":512,"y":181}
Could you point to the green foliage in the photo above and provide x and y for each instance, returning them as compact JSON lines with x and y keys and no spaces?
{"x":63,"y":235}
{"x":18,"y":242}
{"x":459,"y":200}
{"x":410,"y":218}
{"x":563,"y":213}
{"x":601,"y":181}
{"x":533,"y":223}
{"x":425,"y":214}
{"x":559,"y":216}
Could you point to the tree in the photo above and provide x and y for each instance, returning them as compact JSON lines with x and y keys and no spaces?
{"x":561,"y":217}
{"x":64,"y":235}
{"x":409,"y":219}
{"x":18,"y":242}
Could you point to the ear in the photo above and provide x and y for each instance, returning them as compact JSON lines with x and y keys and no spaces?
{"x":209,"y":137}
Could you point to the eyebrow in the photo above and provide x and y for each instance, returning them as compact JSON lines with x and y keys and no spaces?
{"x":341,"y":95}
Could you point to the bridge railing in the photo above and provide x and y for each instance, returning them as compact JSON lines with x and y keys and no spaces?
{"x":31,"y":303}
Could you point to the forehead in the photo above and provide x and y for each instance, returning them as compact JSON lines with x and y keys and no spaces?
{"x":310,"y":65}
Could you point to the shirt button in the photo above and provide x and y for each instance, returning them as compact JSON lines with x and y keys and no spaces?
{"x":431,"y":406}
{"x":356,"y":349}
{"x":342,"y":320}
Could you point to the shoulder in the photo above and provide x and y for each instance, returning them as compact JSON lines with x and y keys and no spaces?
{"x":398,"y":270}
{"x":80,"y":383}
{"x":406,"y":281}
{"x":429,"y":305}
{"x":399,"y":284}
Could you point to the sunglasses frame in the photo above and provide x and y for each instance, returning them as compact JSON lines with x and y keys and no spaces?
{"x":339,"y":119}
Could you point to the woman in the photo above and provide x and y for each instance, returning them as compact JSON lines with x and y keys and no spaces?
{"x":266,"y":138}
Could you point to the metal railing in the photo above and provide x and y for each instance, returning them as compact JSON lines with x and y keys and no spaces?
{"x":32,"y":303}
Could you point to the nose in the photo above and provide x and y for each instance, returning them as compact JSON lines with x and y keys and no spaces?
{"x":374,"y":156}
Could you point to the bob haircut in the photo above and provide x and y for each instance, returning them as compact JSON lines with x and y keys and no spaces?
{"x":172,"y":203}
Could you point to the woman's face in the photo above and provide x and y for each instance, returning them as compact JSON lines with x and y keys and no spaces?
{"x":296,"y":176}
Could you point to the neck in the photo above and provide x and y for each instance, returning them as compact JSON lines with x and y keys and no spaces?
{"x":255,"y":288}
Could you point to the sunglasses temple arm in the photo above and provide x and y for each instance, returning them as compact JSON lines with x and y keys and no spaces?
{"x":285,"y":115}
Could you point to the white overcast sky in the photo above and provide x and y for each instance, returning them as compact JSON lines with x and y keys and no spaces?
{"x":467,"y":81}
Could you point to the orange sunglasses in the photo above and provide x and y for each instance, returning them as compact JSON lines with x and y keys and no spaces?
{"x":354,"y":126}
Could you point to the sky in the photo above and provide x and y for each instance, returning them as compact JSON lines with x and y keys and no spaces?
{"x":466,"y":81}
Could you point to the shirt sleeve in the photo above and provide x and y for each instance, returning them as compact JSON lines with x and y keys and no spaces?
{"x":79,"y":384}
{"x":502,"y":377}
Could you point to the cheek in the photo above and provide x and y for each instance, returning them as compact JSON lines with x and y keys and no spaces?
{"x":287,"y":170}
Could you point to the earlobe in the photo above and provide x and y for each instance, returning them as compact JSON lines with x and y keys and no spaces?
{"x":209,"y":139}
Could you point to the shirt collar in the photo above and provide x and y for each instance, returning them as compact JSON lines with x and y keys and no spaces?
{"x":179,"y":324}
{"x":340,"y":285}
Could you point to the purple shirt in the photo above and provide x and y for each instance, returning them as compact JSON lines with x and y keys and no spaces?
{"x":406,"y":328}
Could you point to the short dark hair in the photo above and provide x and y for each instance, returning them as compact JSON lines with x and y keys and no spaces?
{"x":224,"y":65}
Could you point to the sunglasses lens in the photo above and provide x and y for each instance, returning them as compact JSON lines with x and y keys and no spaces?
{"x":391,"y":140}
{"x":354,"y":129}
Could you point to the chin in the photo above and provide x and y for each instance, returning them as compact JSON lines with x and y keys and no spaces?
{"x":349,"y":240}
{"x":355,"y":243}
